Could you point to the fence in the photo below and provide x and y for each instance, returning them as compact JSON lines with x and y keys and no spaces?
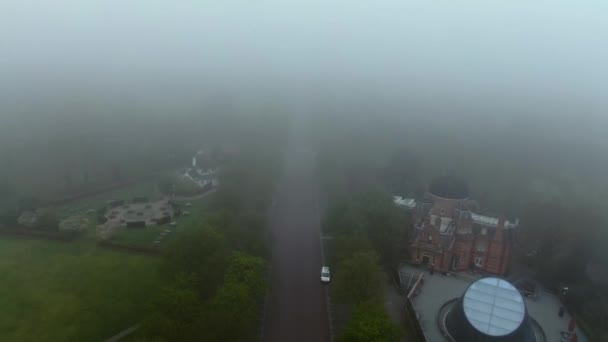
{"x":411,"y":311}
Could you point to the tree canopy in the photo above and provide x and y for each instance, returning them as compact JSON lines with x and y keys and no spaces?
{"x":359,"y":279}
{"x":200,"y":255}
{"x":370,"y":323}
{"x":373,"y":215}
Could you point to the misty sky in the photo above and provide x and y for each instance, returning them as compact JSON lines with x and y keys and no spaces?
{"x":519,"y":49}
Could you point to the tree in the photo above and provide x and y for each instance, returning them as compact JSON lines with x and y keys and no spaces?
{"x":345,"y":246}
{"x":245,"y":233}
{"x":344,"y":218}
{"x":387,"y":226}
{"x":370,"y":323}
{"x":563,"y":237}
{"x":372,"y":214}
{"x":247,"y":269}
{"x":359,"y":279}
{"x":200,"y":255}
{"x":175,"y":312}
{"x":231,"y":315}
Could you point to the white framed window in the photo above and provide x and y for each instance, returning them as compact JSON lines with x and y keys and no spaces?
{"x":479,"y":261}
{"x":484,"y":231}
{"x":430,"y":237}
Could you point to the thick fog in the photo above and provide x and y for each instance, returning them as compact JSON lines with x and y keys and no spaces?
{"x":438,"y":51}
{"x":96,"y":74}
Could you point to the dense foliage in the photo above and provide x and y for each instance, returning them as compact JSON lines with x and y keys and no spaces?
{"x":372,"y":215}
{"x":366,"y":230}
{"x":216,"y":273}
{"x":370,"y":323}
{"x":359,"y":279}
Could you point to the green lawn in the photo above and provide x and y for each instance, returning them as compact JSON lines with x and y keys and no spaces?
{"x":141,"y":236}
{"x":55,"y":291}
{"x":75,"y":291}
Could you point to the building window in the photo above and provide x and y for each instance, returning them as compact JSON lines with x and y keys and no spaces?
{"x":484,"y":231}
{"x":442,"y":211}
{"x":430,"y":237}
{"x":479,"y":261}
{"x":480,"y":246}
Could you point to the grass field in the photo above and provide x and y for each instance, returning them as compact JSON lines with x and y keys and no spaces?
{"x":54,"y":291}
{"x":76,"y":291}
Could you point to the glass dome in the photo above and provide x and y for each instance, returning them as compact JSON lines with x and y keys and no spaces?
{"x":494,"y":306}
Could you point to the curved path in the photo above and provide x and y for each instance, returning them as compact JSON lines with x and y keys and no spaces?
{"x":297,"y":307}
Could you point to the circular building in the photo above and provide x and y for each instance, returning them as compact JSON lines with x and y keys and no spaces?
{"x":449,"y":187}
{"x":491,"y":309}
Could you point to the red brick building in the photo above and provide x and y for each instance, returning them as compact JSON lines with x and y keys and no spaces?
{"x":448,"y":234}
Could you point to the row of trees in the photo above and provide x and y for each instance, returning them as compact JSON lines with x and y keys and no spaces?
{"x":366,"y":230}
{"x":371,"y":216}
{"x":218,"y":301}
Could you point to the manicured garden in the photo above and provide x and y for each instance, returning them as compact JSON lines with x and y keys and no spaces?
{"x":145,"y":237}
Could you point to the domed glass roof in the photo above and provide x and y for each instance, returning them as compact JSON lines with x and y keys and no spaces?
{"x":494,"y":306}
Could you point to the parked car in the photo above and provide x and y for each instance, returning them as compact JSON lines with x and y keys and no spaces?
{"x":325,"y":275}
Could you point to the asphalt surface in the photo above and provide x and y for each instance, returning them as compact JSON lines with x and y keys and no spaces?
{"x":297,"y":303}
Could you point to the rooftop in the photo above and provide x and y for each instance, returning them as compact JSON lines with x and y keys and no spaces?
{"x":410,"y":203}
{"x":438,"y":289}
{"x":404,"y":202}
{"x":493,"y":306}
